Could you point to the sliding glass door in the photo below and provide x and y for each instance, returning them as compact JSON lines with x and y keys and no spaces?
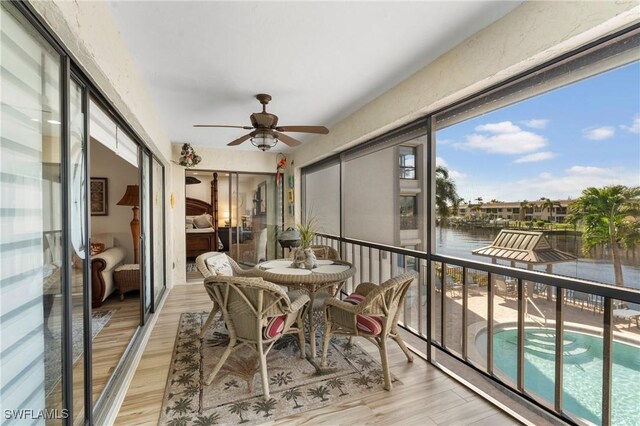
{"x":33,"y":258}
{"x":254,"y":216}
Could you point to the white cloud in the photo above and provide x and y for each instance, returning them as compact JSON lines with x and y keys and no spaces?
{"x":499,"y":128}
{"x":444,"y":141}
{"x":566,"y":183}
{"x":536,"y":123}
{"x":635,"y":126}
{"x":504,"y":138}
{"x":457,"y":176}
{"x":599,"y":133}
{"x":537,"y":156}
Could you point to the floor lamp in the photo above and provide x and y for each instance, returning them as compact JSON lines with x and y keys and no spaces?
{"x":132,"y":198}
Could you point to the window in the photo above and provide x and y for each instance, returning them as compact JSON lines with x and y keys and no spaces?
{"x":407,"y":155}
{"x":408,"y":212}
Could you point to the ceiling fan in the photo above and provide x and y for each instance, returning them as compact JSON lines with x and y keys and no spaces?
{"x":265,"y":130}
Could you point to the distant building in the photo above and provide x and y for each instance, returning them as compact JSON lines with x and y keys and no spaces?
{"x":511,"y":210}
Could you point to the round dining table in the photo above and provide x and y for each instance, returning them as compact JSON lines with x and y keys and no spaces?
{"x":327,"y":277}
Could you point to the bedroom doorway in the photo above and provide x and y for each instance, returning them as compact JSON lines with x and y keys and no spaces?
{"x":239,"y":214}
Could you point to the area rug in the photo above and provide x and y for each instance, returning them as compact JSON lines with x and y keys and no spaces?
{"x":53,"y":344}
{"x":192,"y":267}
{"x":235,"y":396}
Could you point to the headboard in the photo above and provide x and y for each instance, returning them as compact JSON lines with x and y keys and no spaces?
{"x":197,"y":207}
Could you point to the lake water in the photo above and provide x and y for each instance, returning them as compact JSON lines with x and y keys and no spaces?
{"x":459,"y":242}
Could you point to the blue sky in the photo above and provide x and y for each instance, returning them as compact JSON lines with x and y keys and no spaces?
{"x":553,"y":145}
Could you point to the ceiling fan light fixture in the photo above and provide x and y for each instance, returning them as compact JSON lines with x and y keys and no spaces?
{"x":264,"y":141}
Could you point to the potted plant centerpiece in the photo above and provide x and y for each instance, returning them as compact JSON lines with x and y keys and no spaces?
{"x":303,"y":256}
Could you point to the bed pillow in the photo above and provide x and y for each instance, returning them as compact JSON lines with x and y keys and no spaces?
{"x":219,"y":265}
{"x":202,"y":221}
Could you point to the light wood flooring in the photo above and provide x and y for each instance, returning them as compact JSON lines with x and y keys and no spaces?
{"x":426,"y":396}
{"x":108,"y":347}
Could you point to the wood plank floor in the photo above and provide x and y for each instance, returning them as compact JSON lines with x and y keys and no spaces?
{"x":426,"y":397}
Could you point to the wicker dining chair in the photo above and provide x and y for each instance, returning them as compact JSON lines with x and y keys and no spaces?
{"x":215,"y":263}
{"x":372,"y":312}
{"x":256,"y":313}
{"x":325,"y":252}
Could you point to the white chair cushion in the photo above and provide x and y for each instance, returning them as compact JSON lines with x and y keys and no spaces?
{"x":219,"y":265}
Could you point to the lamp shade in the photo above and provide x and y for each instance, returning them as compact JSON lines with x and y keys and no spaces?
{"x":264,"y":141}
{"x":130,"y":197}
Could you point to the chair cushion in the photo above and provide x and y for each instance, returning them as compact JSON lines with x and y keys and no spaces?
{"x":219,"y":265}
{"x":366,"y":323}
{"x":274,"y":327}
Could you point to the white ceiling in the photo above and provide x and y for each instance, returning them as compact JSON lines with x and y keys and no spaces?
{"x":203,"y":62}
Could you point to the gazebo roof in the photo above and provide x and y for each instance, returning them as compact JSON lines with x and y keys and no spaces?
{"x":523,"y":246}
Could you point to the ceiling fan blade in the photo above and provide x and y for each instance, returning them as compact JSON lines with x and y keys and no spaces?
{"x":304,"y":129}
{"x":288,"y":140}
{"x":222,"y":125}
{"x":240,"y":140}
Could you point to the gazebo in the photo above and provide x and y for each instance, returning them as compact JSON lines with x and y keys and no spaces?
{"x":530,"y":247}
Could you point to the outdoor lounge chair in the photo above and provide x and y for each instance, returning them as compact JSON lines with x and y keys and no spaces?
{"x":372,"y":312}
{"x":256,"y":313}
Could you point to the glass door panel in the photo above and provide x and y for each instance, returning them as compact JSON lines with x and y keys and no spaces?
{"x":145,"y":240}
{"x":32,"y":320}
{"x":158,"y":230}
{"x":255,"y":217}
{"x":79,"y":266}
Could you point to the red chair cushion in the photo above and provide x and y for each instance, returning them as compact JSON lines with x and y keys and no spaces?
{"x":274,"y":327}
{"x":365,"y":323}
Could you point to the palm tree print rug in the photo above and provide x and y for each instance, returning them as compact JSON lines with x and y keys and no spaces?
{"x":235,"y":396}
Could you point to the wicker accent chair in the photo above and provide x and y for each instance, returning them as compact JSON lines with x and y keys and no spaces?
{"x":206,"y":271}
{"x":325,"y":252}
{"x":379,"y":305}
{"x":256,"y":313}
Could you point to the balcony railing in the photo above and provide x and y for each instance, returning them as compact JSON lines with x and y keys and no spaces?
{"x":539,"y":335}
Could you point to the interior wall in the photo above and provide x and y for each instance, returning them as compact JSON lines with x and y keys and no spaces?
{"x":105,"y":163}
{"x":232,"y":159}
{"x":89,"y":32}
{"x":176,"y":249}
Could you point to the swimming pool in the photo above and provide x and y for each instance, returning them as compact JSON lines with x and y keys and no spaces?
{"x":582,"y":372}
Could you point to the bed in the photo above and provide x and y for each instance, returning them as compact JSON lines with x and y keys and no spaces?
{"x":201,"y":240}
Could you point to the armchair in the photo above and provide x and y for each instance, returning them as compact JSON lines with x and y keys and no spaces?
{"x":256,"y":313}
{"x":372,"y":312}
{"x":102,"y":266}
{"x":214,"y":264}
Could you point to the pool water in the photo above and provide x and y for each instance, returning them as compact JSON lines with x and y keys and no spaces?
{"x":582,"y":393}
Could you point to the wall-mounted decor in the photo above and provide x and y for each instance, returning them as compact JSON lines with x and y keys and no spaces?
{"x":98,"y":196}
{"x":188,"y":156}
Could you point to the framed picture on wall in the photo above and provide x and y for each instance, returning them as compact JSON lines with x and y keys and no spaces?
{"x":98,"y":196}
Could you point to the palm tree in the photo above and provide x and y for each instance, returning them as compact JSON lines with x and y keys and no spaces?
{"x":549,"y":205}
{"x":239,"y":408}
{"x":609,"y":215}
{"x":293,"y":393}
{"x":524,"y":205}
{"x":337,"y":383}
{"x":447,"y":197}
{"x":265,"y":406}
